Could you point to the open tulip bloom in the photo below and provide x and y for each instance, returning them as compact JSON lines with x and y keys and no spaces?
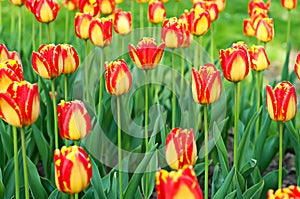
{"x":288,"y":192}
{"x":10,"y":71}
{"x":156,"y":12}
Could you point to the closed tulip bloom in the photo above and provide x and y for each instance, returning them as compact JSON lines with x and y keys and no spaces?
{"x":291,"y":192}
{"x":72,"y":4}
{"x":235,"y":62}
{"x":100,"y":32}
{"x":156,"y":12}
{"x":118,"y":77}
{"x":20,"y":105}
{"x":248,"y":28}
{"x":178,"y":184}
{"x":281,"y":101}
{"x":181,"y":148}
{"x":45,"y":11}
{"x":265,"y":30}
{"x":107,"y":6}
{"x":206,"y":84}
{"x":297,"y":66}
{"x":199,"y":21}
{"x":17,"y":2}
{"x":221,"y":5}
{"x":258,"y":58}
{"x":289,"y":4}
{"x":73,"y":169}
{"x":187,"y":36}
{"x":147,"y":54}
{"x":256,"y":7}
{"x":45,"y":61}
{"x":74,"y":122}
{"x":173,"y":33}
{"x":82,"y":23}
{"x":210,"y":6}
{"x":90,"y":7}
{"x":10,"y":71}
{"x":122,"y":22}
{"x":5,"y":54}
{"x":66,"y":57}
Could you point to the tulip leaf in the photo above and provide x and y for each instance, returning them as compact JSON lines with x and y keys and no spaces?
{"x":48,"y":186}
{"x":271,"y":181}
{"x":2,"y":188}
{"x":239,"y":183}
{"x":6,"y":139}
{"x":90,"y":193}
{"x":152,"y":167}
{"x":292,"y":132}
{"x":263,"y":133}
{"x":248,"y":168}
{"x":232,"y":195}
{"x":217,"y":180}
{"x":96,"y":182}
{"x":114,"y":182}
{"x":221,"y":193}
{"x":54,"y":194}
{"x":254,"y":191}
{"x":200,"y":168}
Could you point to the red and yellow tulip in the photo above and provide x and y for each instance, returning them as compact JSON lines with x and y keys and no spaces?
{"x":156,"y":12}
{"x":258,"y":58}
{"x":72,"y":4}
{"x":297,"y":66}
{"x":67,"y":58}
{"x":73,"y":169}
{"x":20,"y":105}
{"x":100,"y":32}
{"x":199,"y":21}
{"x":118,"y":77}
{"x":107,"y":6}
{"x":257,"y":7}
{"x":147,"y":54}
{"x":178,"y":184}
{"x":142,"y":1}
{"x":173,"y":33}
{"x":281,"y":101}
{"x":221,"y":5}
{"x":206,"y":84}
{"x":82,"y":23}
{"x":235,"y":62}
{"x":248,"y":28}
{"x":265,"y":30}
{"x":289,"y":4}
{"x":210,"y":6}
{"x":17,"y":2}
{"x":10,"y":71}
{"x":122,"y":22}
{"x":90,"y":7}
{"x":291,"y":192}
{"x":5,"y":54}
{"x":45,"y":11}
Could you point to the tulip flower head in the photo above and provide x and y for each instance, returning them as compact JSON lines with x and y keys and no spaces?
{"x":67,"y":58}
{"x":288,"y":192}
{"x":199,"y":21}
{"x":173,"y":33}
{"x":258,"y":58}
{"x":178,"y":184}
{"x":72,"y":4}
{"x":118,"y":77}
{"x":107,"y":6}
{"x":100,"y":32}
{"x":206,"y":84}
{"x":156,"y":12}
{"x":142,"y":1}
{"x":10,"y":71}
{"x":235,"y":62}
{"x":73,"y":169}
{"x":45,"y":11}
{"x":221,"y":5}
{"x":82,"y":23}
{"x":281,"y":101}
{"x":20,"y":105}
{"x":257,"y":7}
{"x":17,"y":2}
{"x":265,"y":30}
{"x":210,"y":6}
{"x":90,"y":7}
{"x":297,"y":66}
{"x":289,"y":4}
{"x":122,"y":22}
{"x":5,"y":54}
{"x":147,"y":54}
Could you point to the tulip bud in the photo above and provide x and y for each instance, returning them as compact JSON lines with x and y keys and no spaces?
{"x":221,"y":5}
{"x":257,"y":7}
{"x":100,"y":32}
{"x":90,"y":7}
{"x":118,"y":77}
{"x":211,"y":8}
{"x":6,"y":55}
{"x":146,"y":55}
{"x":73,"y":169}
{"x":82,"y":23}
{"x":297,"y":66}
{"x":66,"y":58}
{"x":45,"y":11}
{"x":72,"y":4}
{"x":258,"y":58}
{"x":199,"y":21}
{"x":156,"y":12}
{"x":281,"y":102}
{"x":248,"y":28}
{"x":10,"y":71}
{"x":235,"y":62}
{"x":17,"y":2}
{"x":289,"y":4}
{"x":107,"y":6}
{"x":265,"y":30}
{"x":288,"y":192}
{"x":20,"y":105}
{"x":122,"y":22}
{"x":173,"y":33}
{"x":178,"y":184}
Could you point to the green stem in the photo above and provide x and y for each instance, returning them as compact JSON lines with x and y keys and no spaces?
{"x":142,"y":19}
{"x":196,"y":64}
{"x":200,"y":52}
{"x":236,"y":122}
{"x":33,"y":34}
{"x":119,"y":149}
{"x":24,"y":163}
{"x":86,"y":71}
{"x":40,"y":33}
{"x":17,"y":187}
{"x":206,"y":152}
{"x":146,"y":127}
{"x":258,"y":88}
{"x":280,"y":155}
{"x":54,"y":113}
{"x":154,"y":31}
{"x":132,"y":25}
{"x":182,"y":75}
{"x":76,"y":195}
{"x":49,"y":33}
{"x":66,"y":87}
{"x":173,"y":91}
{"x":101,"y":82}
{"x":1,"y":15}
{"x":72,"y":196}
{"x":20,"y":28}
{"x":288,"y":29}
{"x":123,"y":47}
{"x":212,"y":43}
{"x":12,"y":23}
{"x":67,"y":24}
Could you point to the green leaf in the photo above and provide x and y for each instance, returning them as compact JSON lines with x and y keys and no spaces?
{"x":263,"y":133}
{"x":54,"y":194}
{"x":89,"y":194}
{"x":232,"y":195}
{"x":268,"y":153}
{"x":48,"y":186}
{"x":254,"y":191}
{"x":248,"y":168}
{"x":2,"y":188}
{"x":96,"y":182}
{"x":6,"y":140}
{"x":221,"y":193}
{"x":240,"y":183}
{"x":270,"y":181}
{"x":199,"y":168}
{"x":114,"y":182}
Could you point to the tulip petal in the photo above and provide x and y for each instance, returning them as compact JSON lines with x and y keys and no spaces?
{"x":10,"y":111}
{"x":40,"y":65}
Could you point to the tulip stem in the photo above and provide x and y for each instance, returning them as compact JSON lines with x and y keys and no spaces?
{"x":20,"y":28}
{"x":16,"y":162}
{"x":101,"y":82}
{"x":40,"y":33}
{"x":123,"y":47}
{"x":182,"y":76}
{"x":54,"y":113}
{"x":142,"y":19}
{"x":24,"y":164}
{"x":196,"y":56}
{"x":67,"y":23}
{"x":200,"y":52}
{"x":146,"y":128}
{"x":33,"y":35}
{"x":132,"y":11}
{"x":76,"y":195}
{"x":173,"y":91}
{"x":280,"y":155}
{"x":258,"y":87}
{"x":212,"y":43}
{"x":86,"y":72}
{"x":66,"y":87}
{"x":206,"y":152}
{"x":236,"y":122}
{"x":288,"y":29}
{"x":49,"y":33}
{"x":119,"y":149}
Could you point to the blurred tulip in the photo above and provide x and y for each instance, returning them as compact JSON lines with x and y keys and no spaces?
{"x":210,"y":6}
{"x":45,"y":61}
{"x":122,"y":22}
{"x":118,"y":77}
{"x":199,"y":21}
{"x":100,"y":32}
{"x":10,"y":71}
{"x":291,"y":192}
{"x":147,"y":54}
{"x":297,"y":66}
{"x":119,"y":1}
{"x":74,"y":122}
{"x":256,"y":7}
{"x":142,"y":1}
{"x":289,"y":4}
{"x":82,"y":23}
{"x":72,"y":4}
{"x":90,"y":7}
{"x":17,"y":2}
{"x":66,"y":57}
{"x":45,"y":11}
{"x":265,"y":30}
{"x":73,"y":169}
{"x":258,"y":58}
{"x":20,"y":105}
{"x":173,"y":33}
{"x":6,"y":55}
{"x":221,"y":5}
{"x":235,"y":62}
{"x":107,"y":6}
{"x":29,"y":5}
{"x":156,"y":12}
{"x":178,"y":184}
{"x":281,"y":102}
{"x":248,"y":28}
{"x":206,"y":84}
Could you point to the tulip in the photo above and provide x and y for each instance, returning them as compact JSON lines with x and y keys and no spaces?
{"x":73,"y":169}
{"x":100,"y":32}
{"x":258,"y":58}
{"x":221,"y":5}
{"x":178,"y":184}
{"x":235,"y":62}
{"x":66,"y":57}
{"x":72,"y":4}
{"x":210,"y":6}
{"x":118,"y":77}
{"x":289,"y":4}
{"x":6,"y":55}
{"x":288,"y":192}
{"x":29,"y":5}
{"x":10,"y":71}
{"x":122,"y":22}
{"x":82,"y":23}
{"x":281,"y":102}
{"x":90,"y":7}
{"x":156,"y":12}
{"x":256,"y":7}
{"x":206,"y":84}
{"x":265,"y":30}
{"x":119,"y":1}
{"x":142,"y":1}
{"x":297,"y":66}
{"x":248,"y":28}
{"x":45,"y":11}
{"x":20,"y":105}
{"x":107,"y":6}
{"x":199,"y":21}
{"x":173,"y":33}
{"x":17,"y":2}
{"x":147,"y":54}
